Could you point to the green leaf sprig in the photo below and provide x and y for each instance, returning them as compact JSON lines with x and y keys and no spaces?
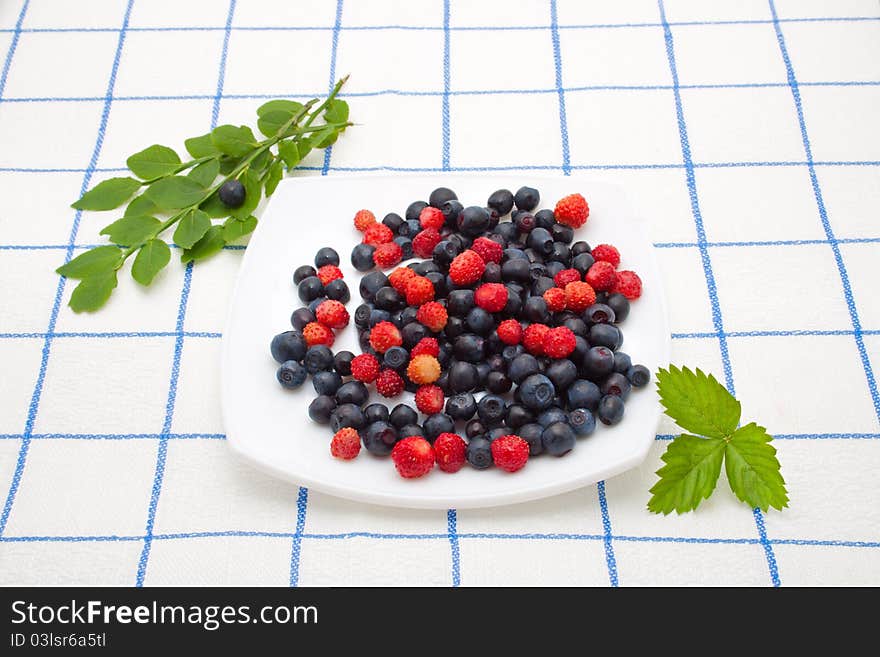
{"x":167,"y":192}
{"x":700,"y":404}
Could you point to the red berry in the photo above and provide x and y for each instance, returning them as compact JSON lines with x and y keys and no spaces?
{"x":378,"y":234}
{"x":429,"y":399}
{"x":413,"y":457}
{"x":601,"y":276}
{"x":449,"y":451}
{"x":329,"y":273}
{"x":423,"y":369}
{"x":466,"y":268}
{"x":431,"y":217}
{"x":555,"y":299}
{"x":606,"y":253}
{"x":559,"y":342}
{"x":510,"y":331}
{"x":385,"y":335}
{"x":389,"y":383}
{"x":387,"y":255}
{"x":365,"y":367}
{"x":433,"y":315}
{"x":363,"y":219}
{"x":565,"y":277}
{"x":346,"y":444}
{"x":579,"y":296}
{"x":572,"y":210}
{"x":424,"y":243}
{"x":491,"y":297}
{"x":400,"y":277}
{"x":628,"y":284}
{"x":488,"y":250}
{"x":510,"y":452}
{"x":332,"y":314}
{"x":428,"y":346}
{"x":419,"y":290}
{"x":533,"y":338}
{"x":316,"y":333}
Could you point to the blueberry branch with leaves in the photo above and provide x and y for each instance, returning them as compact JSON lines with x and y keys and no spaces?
{"x":230,"y":171}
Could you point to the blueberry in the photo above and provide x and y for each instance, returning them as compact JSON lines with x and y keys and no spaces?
{"x":436,"y":424}
{"x":582,"y":421}
{"x":408,"y":430}
{"x":516,"y":270}
{"x":479,"y":321}
{"x":438,"y":280}
{"x":388,"y":298}
{"x":232,"y":194}
{"x":321,"y":408}
{"x":599,"y":362}
{"x":638,"y":375}
{"x":535,"y":310}
{"x":525,"y":222}
{"x":377,"y":316}
{"x":583,"y":394}
{"x":531,"y":433}
{"x":303,"y":271}
{"x":507,"y":230}
{"x":405,"y":244}
{"x":581,"y":347}
{"x":300,"y":317}
{"x":291,"y":374}
{"x":440,"y":195}
{"x":610,"y":410}
{"x":314,"y":303}
{"x":498,"y":383}
{"x":469,"y":347}
{"x":599,"y":313}
{"x":376,"y":413}
{"x":620,"y":305}
{"x":414,"y":210}
{"x":393,"y":221}
{"x":461,"y":406}
{"x":492,"y":273}
{"x":372,"y":283}
{"x":580,"y":247}
{"x":455,"y":327}
{"x":444,"y":252}
{"x":401,"y":415}
{"x":581,"y":261}
{"x":410,"y":228}
{"x":318,"y":358}
{"x":562,"y":233}
{"x":310,"y":288}
{"x":347,"y":415}
{"x":545,"y":219}
{"x":289,"y":345}
{"x":475,"y":428}
{"x":362,"y":316}
{"x":541,"y":241}
{"x":501,"y":201}
{"x":473,"y":221}
{"x":537,"y":392}
{"x":510,"y":352}
{"x":479,"y":453}
{"x":352,"y":392}
{"x":408,"y":315}
{"x":561,"y":253}
{"x":514,"y":301}
{"x":551,"y":415}
{"x":379,"y":438}
{"x":605,"y":335}
{"x":326,"y":256}
{"x":362,"y":257}
{"x":558,"y":438}
{"x":395,"y":358}
{"x":491,"y":409}
{"x":554,"y":267}
{"x":562,"y":373}
{"x":326,"y":382}
{"x":516,"y":415}
{"x":622,"y":362}
{"x":576,"y":325}
{"x":521,"y":367}
{"x":541,"y":285}
{"x":483,"y":370}
{"x":526,"y":198}
{"x":412,"y":333}
{"x":450,"y":210}
{"x":616,"y":384}
{"x":338,"y":291}
{"x":463,"y":377}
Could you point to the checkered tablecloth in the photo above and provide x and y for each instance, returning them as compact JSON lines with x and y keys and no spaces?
{"x":746,"y":132}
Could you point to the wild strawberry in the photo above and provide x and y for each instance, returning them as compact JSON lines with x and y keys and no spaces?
{"x":428,"y":346}
{"x":433,"y":315}
{"x":491,"y":297}
{"x":533,"y":338}
{"x":606,"y":253}
{"x":510,"y":331}
{"x":572,"y":210}
{"x":579,"y":296}
{"x":601,"y":276}
{"x":329,"y":273}
{"x":389,"y":383}
{"x":363,"y":219}
{"x":346,"y":444}
{"x":315,"y":333}
{"x":429,"y":399}
{"x":449,"y":452}
{"x":555,"y":299}
{"x":365,"y":367}
{"x":466,"y":268}
{"x":559,"y":342}
{"x":419,"y":290}
{"x":378,"y":234}
{"x":424,"y":243}
{"x":387,"y":255}
{"x":413,"y":457}
{"x":510,"y":452}
{"x":399,"y":278}
{"x":431,"y":217}
{"x":385,"y":335}
{"x":332,"y":314}
{"x":423,"y":369}
{"x":628,"y":284}
{"x":488,"y":250}
{"x":565,"y":277}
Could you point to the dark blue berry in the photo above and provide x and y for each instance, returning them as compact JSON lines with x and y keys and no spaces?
{"x":303,"y":271}
{"x":605,"y":335}
{"x":395,"y":358}
{"x":521,"y":367}
{"x":232,"y":194}
{"x":558,"y":438}
{"x":440,"y":195}
{"x":436,"y":424}
{"x":473,"y":221}
{"x":516,"y":415}
{"x":491,"y":409}
{"x":551,"y":415}
{"x":610,"y":410}
{"x":576,"y":325}
{"x":531,"y":433}
{"x":599,"y":362}
{"x":507,"y":230}
{"x":583,"y":394}
{"x":599,"y":313}
{"x":289,"y":345}
{"x":455,"y":327}
{"x":401,"y":415}
{"x":379,"y":438}
{"x":497,"y":432}
{"x":438,"y":280}
{"x":581,"y":261}
{"x":562,"y":373}
{"x":342,"y":362}
{"x":326,"y":382}
{"x":545,"y":219}
{"x":537,"y":392}
{"x":321,"y":408}
{"x":616,"y":384}
{"x":561,"y":253}
{"x":326,"y":256}
{"x":501,"y":201}
{"x":622,"y":362}
{"x":562,"y":233}
{"x":318,"y":358}
{"x":388,"y":298}
{"x":377,"y":316}
{"x":338,"y":291}
{"x":362,"y":316}
{"x":314,"y":303}
{"x":469,"y":347}
{"x":541,"y":240}
{"x":554,"y":267}
{"x":479,"y":321}
{"x":475,"y":428}
{"x":362,"y":257}
{"x":408,"y":430}
{"x":406,"y":246}
{"x":492,"y":273}
{"x":450,"y":210}
{"x":638,"y":375}
{"x":498,"y":383}
{"x":412,"y":333}
{"x":414,"y":209}
{"x":300,"y":317}
{"x":479,"y":453}
{"x":444,"y":252}
{"x":541,"y":285}
{"x":463,"y":377}
{"x":347,"y":415}
{"x":579,"y":247}
{"x":461,"y":406}
{"x":526,"y":198}
{"x":535,"y":310}
{"x":525,"y":222}
{"x":393,"y":221}
{"x":620,"y":305}
{"x":352,"y":392}
{"x":376,"y":413}
{"x":372,"y":283}
{"x":582,"y":421}
{"x":291,"y":374}
{"x":310,"y":288}
{"x":516,"y":270}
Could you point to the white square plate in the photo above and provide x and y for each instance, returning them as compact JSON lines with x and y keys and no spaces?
{"x":270,"y":427}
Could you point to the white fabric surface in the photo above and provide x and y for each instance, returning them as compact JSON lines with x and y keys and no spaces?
{"x":113,"y":468}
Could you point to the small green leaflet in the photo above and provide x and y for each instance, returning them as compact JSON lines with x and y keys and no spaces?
{"x":93,"y":292}
{"x":191,"y":228}
{"x":95,"y":261}
{"x":699,"y":403}
{"x":234,"y":229}
{"x":210,"y":244}
{"x":153,"y":162}
{"x":201,"y":146}
{"x":150,"y":260}
{"x":108,"y":194}
{"x":175,"y":192}
{"x":276,"y":173}
{"x":336,"y":112}
{"x":206,"y":173}
{"x":275,"y":114}
{"x":141,"y":205}
{"x":253,"y":191}
{"x":232,"y":140}
{"x":289,"y":153}
{"x":132,"y":229}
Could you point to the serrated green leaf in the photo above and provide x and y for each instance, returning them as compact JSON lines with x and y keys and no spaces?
{"x":689,"y":476}
{"x":214,"y":207}
{"x":336,"y":112}
{"x":201,"y":146}
{"x":93,"y":262}
{"x":108,"y":194}
{"x":233,"y":140}
{"x":753,"y":470}
{"x":697,"y":402}
{"x":252,"y":194}
{"x":205,"y":173}
{"x":141,"y":206}
{"x":276,"y":172}
{"x":191,"y":228}
{"x":153,"y":162}
{"x":289,"y":152}
{"x":132,"y":229}
{"x":210,"y":244}
{"x":235,"y":229}
{"x":175,"y":192}
{"x":150,"y":260}
{"x":93,"y":292}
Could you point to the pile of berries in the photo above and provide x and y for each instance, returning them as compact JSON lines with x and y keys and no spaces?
{"x":514,"y":309}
